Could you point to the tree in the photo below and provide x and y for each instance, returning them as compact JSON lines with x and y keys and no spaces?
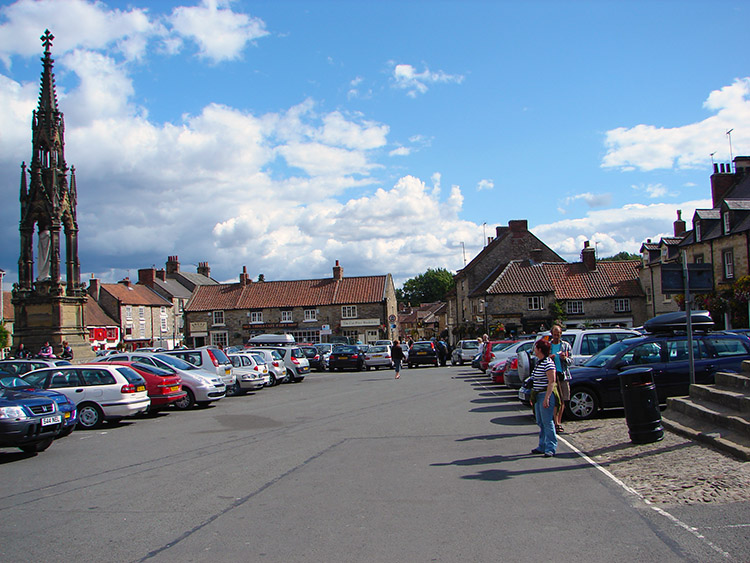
{"x":621,"y":256}
{"x":4,"y":337}
{"x":426,"y":288}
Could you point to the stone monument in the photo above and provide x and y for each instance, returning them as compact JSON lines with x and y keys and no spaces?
{"x":48,"y":308}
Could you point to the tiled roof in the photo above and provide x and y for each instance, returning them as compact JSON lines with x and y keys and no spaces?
{"x":570,"y":281}
{"x":741,"y":204}
{"x":8,"y":309}
{"x":610,"y":279}
{"x":173,"y":287}
{"x":522,"y":277}
{"x":650,"y":246}
{"x":299,"y":293}
{"x":671,"y":241}
{"x":708,"y":213}
{"x":135,"y":294}
{"x":94,"y":315}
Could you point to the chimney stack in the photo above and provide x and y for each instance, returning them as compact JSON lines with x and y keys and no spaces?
{"x":518,"y":226}
{"x":204,"y":269}
{"x":721,"y":183}
{"x":588,"y":257}
{"x":161,"y":274}
{"x":173,"y":265}
{"x":146,"y":276}
{"x":94,"y":288}
{"x":125,"y":281}
{"x":536,"y":256}
{"x":679,"y":225}
{"x":244,"y":278}
{"x":338,"y":271}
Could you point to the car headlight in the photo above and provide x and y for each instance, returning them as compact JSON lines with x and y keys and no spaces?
{"x":12,"y":412}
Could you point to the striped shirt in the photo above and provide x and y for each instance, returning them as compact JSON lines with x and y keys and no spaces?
{"x":540,"y":374}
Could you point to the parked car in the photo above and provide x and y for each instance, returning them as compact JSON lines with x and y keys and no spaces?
{"x":493,"y":347}
{"x":164,"y":387}
{"x":28,"y":421}
{"x":201,"y":387}
{"x":274,"y":362}
{"x":313,"y":356}
{"x":260,"y":359}
{"x":506,"y":359}
{"x":100,"y":391}
{"x":19,"y":367}
{"x":383,"y":343}
{"x":324,"y":349}
{"x":211,"y":359}
{"x":346,"y":356}
{"x":378,"y":356}
{"x":66,"y":407}
{"x":297,"y":366}
{"x":464,"y":351}
{"x":596,"y":384}
{"x":423,"y":352}
{"x":250,"y":375}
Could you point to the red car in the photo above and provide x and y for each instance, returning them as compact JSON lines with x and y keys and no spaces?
{"x":163,"y":387}
{"x":493,"y":346}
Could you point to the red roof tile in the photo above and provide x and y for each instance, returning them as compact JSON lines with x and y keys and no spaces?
{"x":610,"y":279}
{"x":135,"y":294}
{"x":94,"y":315}
{"x":9,"y":312}
{"x":299,"y":293}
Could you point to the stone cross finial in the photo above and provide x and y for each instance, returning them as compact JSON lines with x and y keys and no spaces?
{"x":47,"y":39}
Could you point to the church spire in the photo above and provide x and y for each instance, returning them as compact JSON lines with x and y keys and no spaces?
{"x":47,"y":94}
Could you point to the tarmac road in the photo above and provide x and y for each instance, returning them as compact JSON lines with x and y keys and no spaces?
{"x":343,"y":467}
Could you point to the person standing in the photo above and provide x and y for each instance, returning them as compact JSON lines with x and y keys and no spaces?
{"x":544,"y":398}
{"x":560,"y":352}
{"x":397,"y":355}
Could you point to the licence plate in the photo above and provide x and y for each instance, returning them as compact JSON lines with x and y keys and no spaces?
{"x":421,"y":353}
{"x":174,"y":389}
{"x":47,"y":420}
{"x":140,"y":388}
{"x":228,"y":371}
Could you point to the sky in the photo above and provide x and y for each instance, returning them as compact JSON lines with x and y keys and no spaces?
{"x":394,"y":137}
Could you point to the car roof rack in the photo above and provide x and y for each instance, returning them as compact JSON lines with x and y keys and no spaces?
{"x":677,"y":322}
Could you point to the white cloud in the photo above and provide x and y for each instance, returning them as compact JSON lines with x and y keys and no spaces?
{"x":406,"y":77}
{"x":653,"y":191}
{"x":485,"y":185}
{"x":590,"y":199}
{"x":648,"y":147}
{"x":400,"y":151}
{"x":616,"y":229}
{"x":221,"y":34}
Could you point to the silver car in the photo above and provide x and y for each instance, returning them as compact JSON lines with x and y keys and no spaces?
{"x":211,"y":359}
{"x":378,"y":357}
{"x":464,"y":352}
{"x":274,"y":363}
{"x":201,"y":386}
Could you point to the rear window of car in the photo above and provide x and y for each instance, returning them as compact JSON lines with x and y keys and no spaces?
{"x":374,"y":349}
{"x":130,"y":374}
{"x":346,"y":350}
{"x":153,"y":370}
{"x":220,"y":356}
{"x":677,"y":350}
{"x":178,"y":363}
{"x":259,"y":359}
{"x":310,"y":352}
{"x":297,"y":353}
{"x":421,"y":346}
{"x":470,"y":345}
{"x":727,"y":346}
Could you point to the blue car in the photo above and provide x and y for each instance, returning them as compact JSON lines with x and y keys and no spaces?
{"x":66,"y":407}
{"x":28,"y":421}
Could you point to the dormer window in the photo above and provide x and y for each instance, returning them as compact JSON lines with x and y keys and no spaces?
{"x":726,"y":222}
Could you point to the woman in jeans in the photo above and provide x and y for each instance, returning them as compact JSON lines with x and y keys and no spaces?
{"x":544,"y":398}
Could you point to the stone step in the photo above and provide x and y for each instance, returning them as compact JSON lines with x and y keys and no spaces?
{"x":714,"y":435}
{"x":727,"y":397}
{"x":712,"y":413}
{"x":734,"y":380}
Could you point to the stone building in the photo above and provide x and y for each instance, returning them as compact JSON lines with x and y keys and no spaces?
{"x":590,"y":293}
{"x":470,"y":303}
{"x":144,"y":317}
{"x":46,"y":306}
{"x":363,"y":308}
{"x":653,"y":256}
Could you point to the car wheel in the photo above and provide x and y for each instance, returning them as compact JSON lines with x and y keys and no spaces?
{"x":37,"y":446}
{"x":290,"y":376}
{"x":271,"y":380}
{"x":583,"y":403}
{"x":238,"y":391}
{"x":186,"y":402}
{"x":90,"y":415}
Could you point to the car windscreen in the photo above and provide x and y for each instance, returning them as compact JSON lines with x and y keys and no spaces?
{"x":422,"y":346}
{"x":600,"y":359}
{"x":36,"y":378}
{"x":175,"y":362}
{"x":13,"y":382}
{"x":153,"y":370}
{"x":470,"y":345}
{"x":346,"y":350}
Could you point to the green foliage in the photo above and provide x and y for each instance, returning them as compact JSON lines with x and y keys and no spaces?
{"x":4,"y":336}
{"x":621,"y":256}
{"x":426,"y":288}
{"x":557,"y":310}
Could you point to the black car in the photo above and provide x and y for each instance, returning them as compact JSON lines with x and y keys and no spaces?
{"x":596,"y":384}
{"x":346,"y":357}
{"x":423,"y":353}
{"x":314,"y":357}
{"x":28,"y":421}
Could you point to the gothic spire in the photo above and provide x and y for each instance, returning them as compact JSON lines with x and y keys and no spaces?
{"x":47,"y":94}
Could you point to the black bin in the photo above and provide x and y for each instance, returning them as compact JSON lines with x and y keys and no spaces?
{"x":641,"y":405}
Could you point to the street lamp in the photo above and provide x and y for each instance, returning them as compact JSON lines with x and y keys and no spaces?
{"x":484,"y":316}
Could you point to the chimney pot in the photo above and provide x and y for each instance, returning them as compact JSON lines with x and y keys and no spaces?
{"x":338,"y":271}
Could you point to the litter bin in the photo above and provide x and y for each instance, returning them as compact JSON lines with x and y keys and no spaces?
{"x":641,"y":405}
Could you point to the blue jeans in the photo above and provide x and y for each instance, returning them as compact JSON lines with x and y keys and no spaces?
{"x":397,"y":365}
{"x":545,"y":420}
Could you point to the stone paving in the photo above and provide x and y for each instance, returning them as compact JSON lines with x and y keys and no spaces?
{"x":673,"y":471}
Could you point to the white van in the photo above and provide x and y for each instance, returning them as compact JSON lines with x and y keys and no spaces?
{"x":272,"y":340}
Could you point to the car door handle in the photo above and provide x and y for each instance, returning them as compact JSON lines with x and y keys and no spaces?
{"x":79,"y":390}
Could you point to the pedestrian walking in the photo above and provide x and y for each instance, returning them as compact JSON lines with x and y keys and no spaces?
{"x":544,"y":397}
{"x":397,"y":355}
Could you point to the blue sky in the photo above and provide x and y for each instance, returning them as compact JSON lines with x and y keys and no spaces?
{"x":285,"y":135}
